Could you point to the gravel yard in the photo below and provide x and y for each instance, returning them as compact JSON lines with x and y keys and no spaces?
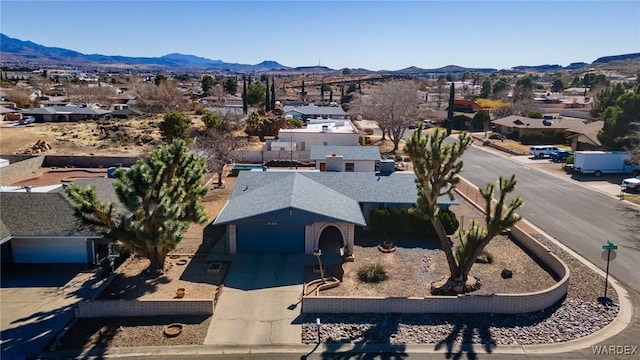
{"x":578,"y":315}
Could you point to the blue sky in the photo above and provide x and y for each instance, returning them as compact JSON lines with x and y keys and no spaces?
{"x":377,"y":35}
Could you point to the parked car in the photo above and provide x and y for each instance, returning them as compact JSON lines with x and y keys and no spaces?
{"x":27,"y":120}
{"x":541,"y":151}
{"x":631,"y":183}
{"x":560,"y":155}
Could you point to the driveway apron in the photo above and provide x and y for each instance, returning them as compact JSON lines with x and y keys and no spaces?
{"x":260,"y":301}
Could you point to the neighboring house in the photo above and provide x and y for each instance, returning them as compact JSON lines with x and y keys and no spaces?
{"x":10,"y":113}
{"x":587,"y":137}
{"x":315,"y":112}
{"x":233,"y":102}
{"x":345,"y":158}
{"x":522,"y":125}
{"x":67,"y":113}
{"x":465,"y":106}
{"x":125,"y":113}
{"x":297,"y":212}
{"x":321,"y":132}
{"x":39,"y":227}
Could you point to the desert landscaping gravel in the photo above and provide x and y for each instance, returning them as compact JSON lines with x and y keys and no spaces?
{"x":576,"y":316}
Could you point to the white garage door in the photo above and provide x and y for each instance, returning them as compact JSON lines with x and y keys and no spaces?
{"x":49,"y":251}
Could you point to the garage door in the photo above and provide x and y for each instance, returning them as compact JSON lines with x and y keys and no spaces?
{"x":270,"y":239}
{"x":49,"y":251}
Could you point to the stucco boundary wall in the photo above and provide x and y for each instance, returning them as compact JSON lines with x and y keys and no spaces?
{"x":466,"y":303}
{"x":134,"y":308}
{"x":88,"y":161}
{"x":20,"y":167}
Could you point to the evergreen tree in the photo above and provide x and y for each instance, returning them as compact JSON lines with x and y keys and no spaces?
{"x":173,"y":126}
{"x":273,"y":93}
{"x":244,"y":95}
{"x":267,"y":101}
{"x":303,"y":92}
{"x":162,"y":194}
{"x":452,"y":98}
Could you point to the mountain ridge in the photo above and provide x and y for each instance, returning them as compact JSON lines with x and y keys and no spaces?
{"x":27,"y":51}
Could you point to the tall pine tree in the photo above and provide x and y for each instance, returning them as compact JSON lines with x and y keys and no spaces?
{"x":244,"y":95}
{"x":267,"y":101}
{"x":452,"y":98}
{"x":273,"y":93}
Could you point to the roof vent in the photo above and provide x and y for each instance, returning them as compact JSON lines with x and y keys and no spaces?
{"x":27,"y":188}
{"x":325,"y":128}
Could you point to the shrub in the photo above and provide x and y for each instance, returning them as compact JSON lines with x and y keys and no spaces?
{"x":449,"y":221}
{"x":485,"y":257}
{"x":372,"y":273}
{"x":496,"y":136}
{"x":397,"y":158}
{"x":570,"y":160}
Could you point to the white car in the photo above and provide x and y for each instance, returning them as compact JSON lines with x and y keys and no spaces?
{"x":541,"y":151}
{"x":631,"y":183}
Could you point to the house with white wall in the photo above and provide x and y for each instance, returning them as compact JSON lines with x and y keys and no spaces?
{"x":323,"y":132}
{"x":345,"y":158}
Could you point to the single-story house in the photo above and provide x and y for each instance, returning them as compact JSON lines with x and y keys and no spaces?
{"x":67,"y":113}
{"x":315,"y":112}
{"x":466,"y":106}
{"x":345,"y":158}
{"x":39,"y":227}
{"x":587,"y":137}
{"x":522,"y":125}
{"x":125,"y":113}
{"x":297,"y":212}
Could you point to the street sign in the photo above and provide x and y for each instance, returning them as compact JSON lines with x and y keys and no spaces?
{"x":608,"y":255}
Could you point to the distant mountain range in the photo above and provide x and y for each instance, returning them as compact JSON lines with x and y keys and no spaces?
{"x":29,"y":53}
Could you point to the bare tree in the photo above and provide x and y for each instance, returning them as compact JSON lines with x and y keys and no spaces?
{"x":160,"y":98}
{"x":83,"y":94}
{"x":394,"y":105}
{"x":217,"y":142}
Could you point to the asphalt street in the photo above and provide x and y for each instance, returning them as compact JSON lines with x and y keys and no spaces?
{"x":579,"y":217}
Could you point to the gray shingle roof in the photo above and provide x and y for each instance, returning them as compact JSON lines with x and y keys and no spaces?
{"x":40,"y":214}
{"x":347,"y":152}
{"x":66,"y":110}
{"x":259,"y":192}
{"x":289,"y":190}
{"x":49,"y":214}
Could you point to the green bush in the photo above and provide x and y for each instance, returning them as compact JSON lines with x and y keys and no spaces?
{"x":545,"y":137}
{"x":570,"y":160}
{"x":449,"y":221}
{"x":372,"y":273}
{"x":399,"y":221}
{"x":496,"y":136}
{"x":513,"y":135}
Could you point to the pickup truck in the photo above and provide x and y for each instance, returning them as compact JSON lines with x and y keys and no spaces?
{"x":631,"y":183}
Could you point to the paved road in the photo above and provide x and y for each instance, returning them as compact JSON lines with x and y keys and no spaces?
{"x":579,"y":217}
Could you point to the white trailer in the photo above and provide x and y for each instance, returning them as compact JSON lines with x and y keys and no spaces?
{"x":604,"y":162}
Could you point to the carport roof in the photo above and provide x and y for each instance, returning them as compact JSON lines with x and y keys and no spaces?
{"x":289,"y":190}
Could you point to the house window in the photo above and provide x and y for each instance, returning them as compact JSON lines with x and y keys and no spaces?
{"x":324,"y":143}
{"x":303,"y":146}
{"x":349,"y":167}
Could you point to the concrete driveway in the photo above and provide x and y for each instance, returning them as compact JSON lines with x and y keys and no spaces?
{"x":37,"y":301}
{"x":260,"y":302}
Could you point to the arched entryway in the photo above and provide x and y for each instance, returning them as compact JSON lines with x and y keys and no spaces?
{"x":330,"y":241}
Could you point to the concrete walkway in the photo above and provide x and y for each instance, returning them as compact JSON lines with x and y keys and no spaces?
{"x":260,"y":302}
